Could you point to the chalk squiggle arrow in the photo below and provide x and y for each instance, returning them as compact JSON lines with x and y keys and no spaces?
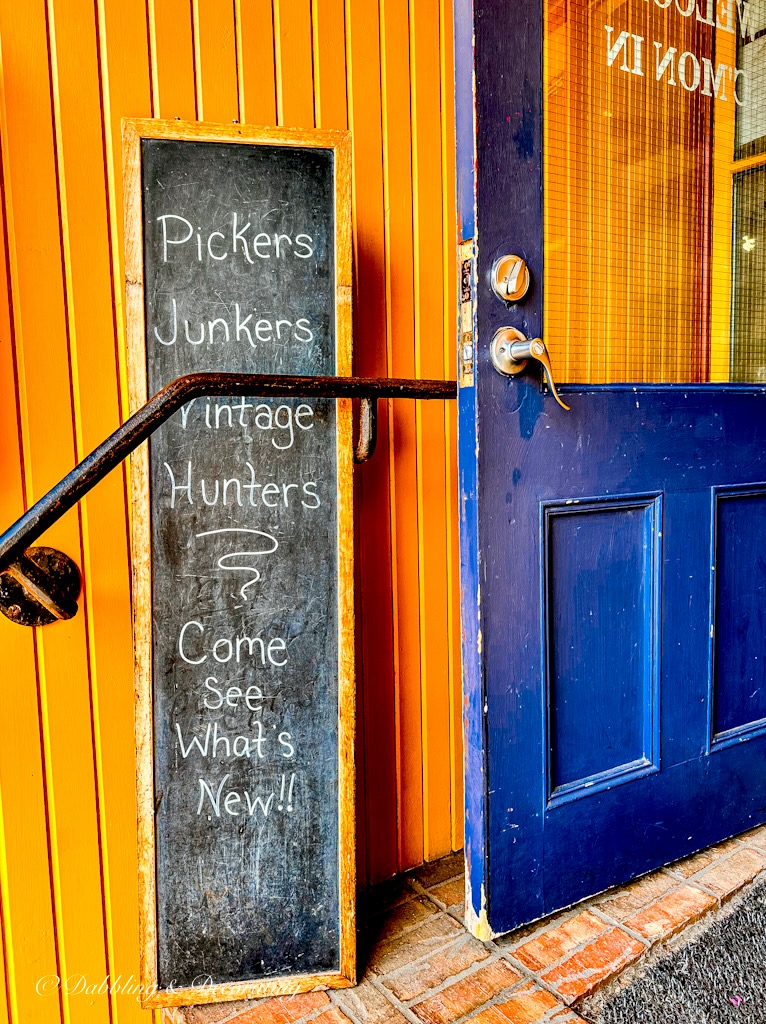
{"x":223,"y":559}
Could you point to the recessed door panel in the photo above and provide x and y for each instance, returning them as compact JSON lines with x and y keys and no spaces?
{"x":601,"y":636}
{"x":739,"y":620}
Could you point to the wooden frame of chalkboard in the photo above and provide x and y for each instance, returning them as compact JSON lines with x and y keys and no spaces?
{"x":159,"y":988}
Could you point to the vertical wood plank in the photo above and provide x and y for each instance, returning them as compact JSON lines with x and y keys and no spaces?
{"x":25,"y":883}
{"x":329,"y":61}
{"x":256,"y":75}
{"x":294,"y":63}
{"x":432,"y":523}
{"x":5,"y":966}
{"x":400,"y":330}
{"x":374,"y":559}
{"x":172,"y":59}
{"x":29,"y":930}
{"x":215,"y":48}
{"x":125,"y":89}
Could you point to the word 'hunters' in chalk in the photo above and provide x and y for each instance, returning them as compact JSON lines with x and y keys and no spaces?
{"x":238,"y":259}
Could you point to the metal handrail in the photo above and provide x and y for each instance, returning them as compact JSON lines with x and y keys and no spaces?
{"x":44,"y":513}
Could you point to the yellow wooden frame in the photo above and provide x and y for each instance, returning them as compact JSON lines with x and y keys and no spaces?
{"x":133,"y":131}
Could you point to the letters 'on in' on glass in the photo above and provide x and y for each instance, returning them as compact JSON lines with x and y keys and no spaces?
{"x":655,"y":190}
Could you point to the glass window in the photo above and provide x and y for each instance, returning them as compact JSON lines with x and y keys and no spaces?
{"x":655,"y":190}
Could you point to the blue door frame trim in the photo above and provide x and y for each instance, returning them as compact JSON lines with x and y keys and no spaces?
{"x":488,"y":81}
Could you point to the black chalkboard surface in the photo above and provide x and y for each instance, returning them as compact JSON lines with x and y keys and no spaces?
{"x":237,"y":259}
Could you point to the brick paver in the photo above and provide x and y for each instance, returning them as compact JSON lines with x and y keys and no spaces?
{"x":332,"y":1016}
{"x":451,"y":893}
{"x":383,"y":896}
{"x":391,"y":923}
{"x":756,"y":837}
{"x":415,"y":979}
{"x":582,"y":972}
{"x":699,"y":861}
{"x":216,"y":1013}
{"x":468,"y":994}
{"x":626,"y":902}
{"x":440,"y":870}
{"x":726,"y":876}
{"x":676,"y":910}
{"x":416,"y":961}
{"x":552,"y":945}
{"x":425,"y":940}
{"x":527,"y":1005}
{"x":366,"y":1004}
{"x":284,"y":1009}
{"x":692,"y":865}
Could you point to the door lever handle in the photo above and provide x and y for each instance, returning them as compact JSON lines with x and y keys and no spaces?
{"x":511,"y":350}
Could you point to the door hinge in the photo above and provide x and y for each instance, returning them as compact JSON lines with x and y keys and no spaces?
{"x":467,"y":287}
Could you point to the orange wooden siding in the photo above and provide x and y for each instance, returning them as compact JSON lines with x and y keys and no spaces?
{"x":69,"y":71}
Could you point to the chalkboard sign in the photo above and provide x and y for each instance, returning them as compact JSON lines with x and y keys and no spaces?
{"x":238,"y":259}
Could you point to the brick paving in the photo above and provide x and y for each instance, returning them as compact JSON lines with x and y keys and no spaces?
{"x":418,"y":964}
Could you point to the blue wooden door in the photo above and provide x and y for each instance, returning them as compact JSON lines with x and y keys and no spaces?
{"x":613,"y":555}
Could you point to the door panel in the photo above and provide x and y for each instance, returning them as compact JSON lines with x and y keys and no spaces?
{"x":612,"y":705}
{"x":599,"y":604}
{"x":738,"y":709}
{"x":614,"y":556}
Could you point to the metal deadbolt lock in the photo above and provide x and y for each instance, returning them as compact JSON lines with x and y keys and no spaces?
{"x":510,"y":278}
{"x":510,"y":351}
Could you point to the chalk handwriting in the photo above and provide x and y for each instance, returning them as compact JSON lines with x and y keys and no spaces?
{"x":237,"y":239}
{"x":280,"y":421}
{"x":240,"y":491}
{"x":252,"y":329}
{"x":235,"y":803}
{"x":240,"y":648}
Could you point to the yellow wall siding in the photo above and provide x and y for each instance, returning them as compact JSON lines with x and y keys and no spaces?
{"x":71,"y":69}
